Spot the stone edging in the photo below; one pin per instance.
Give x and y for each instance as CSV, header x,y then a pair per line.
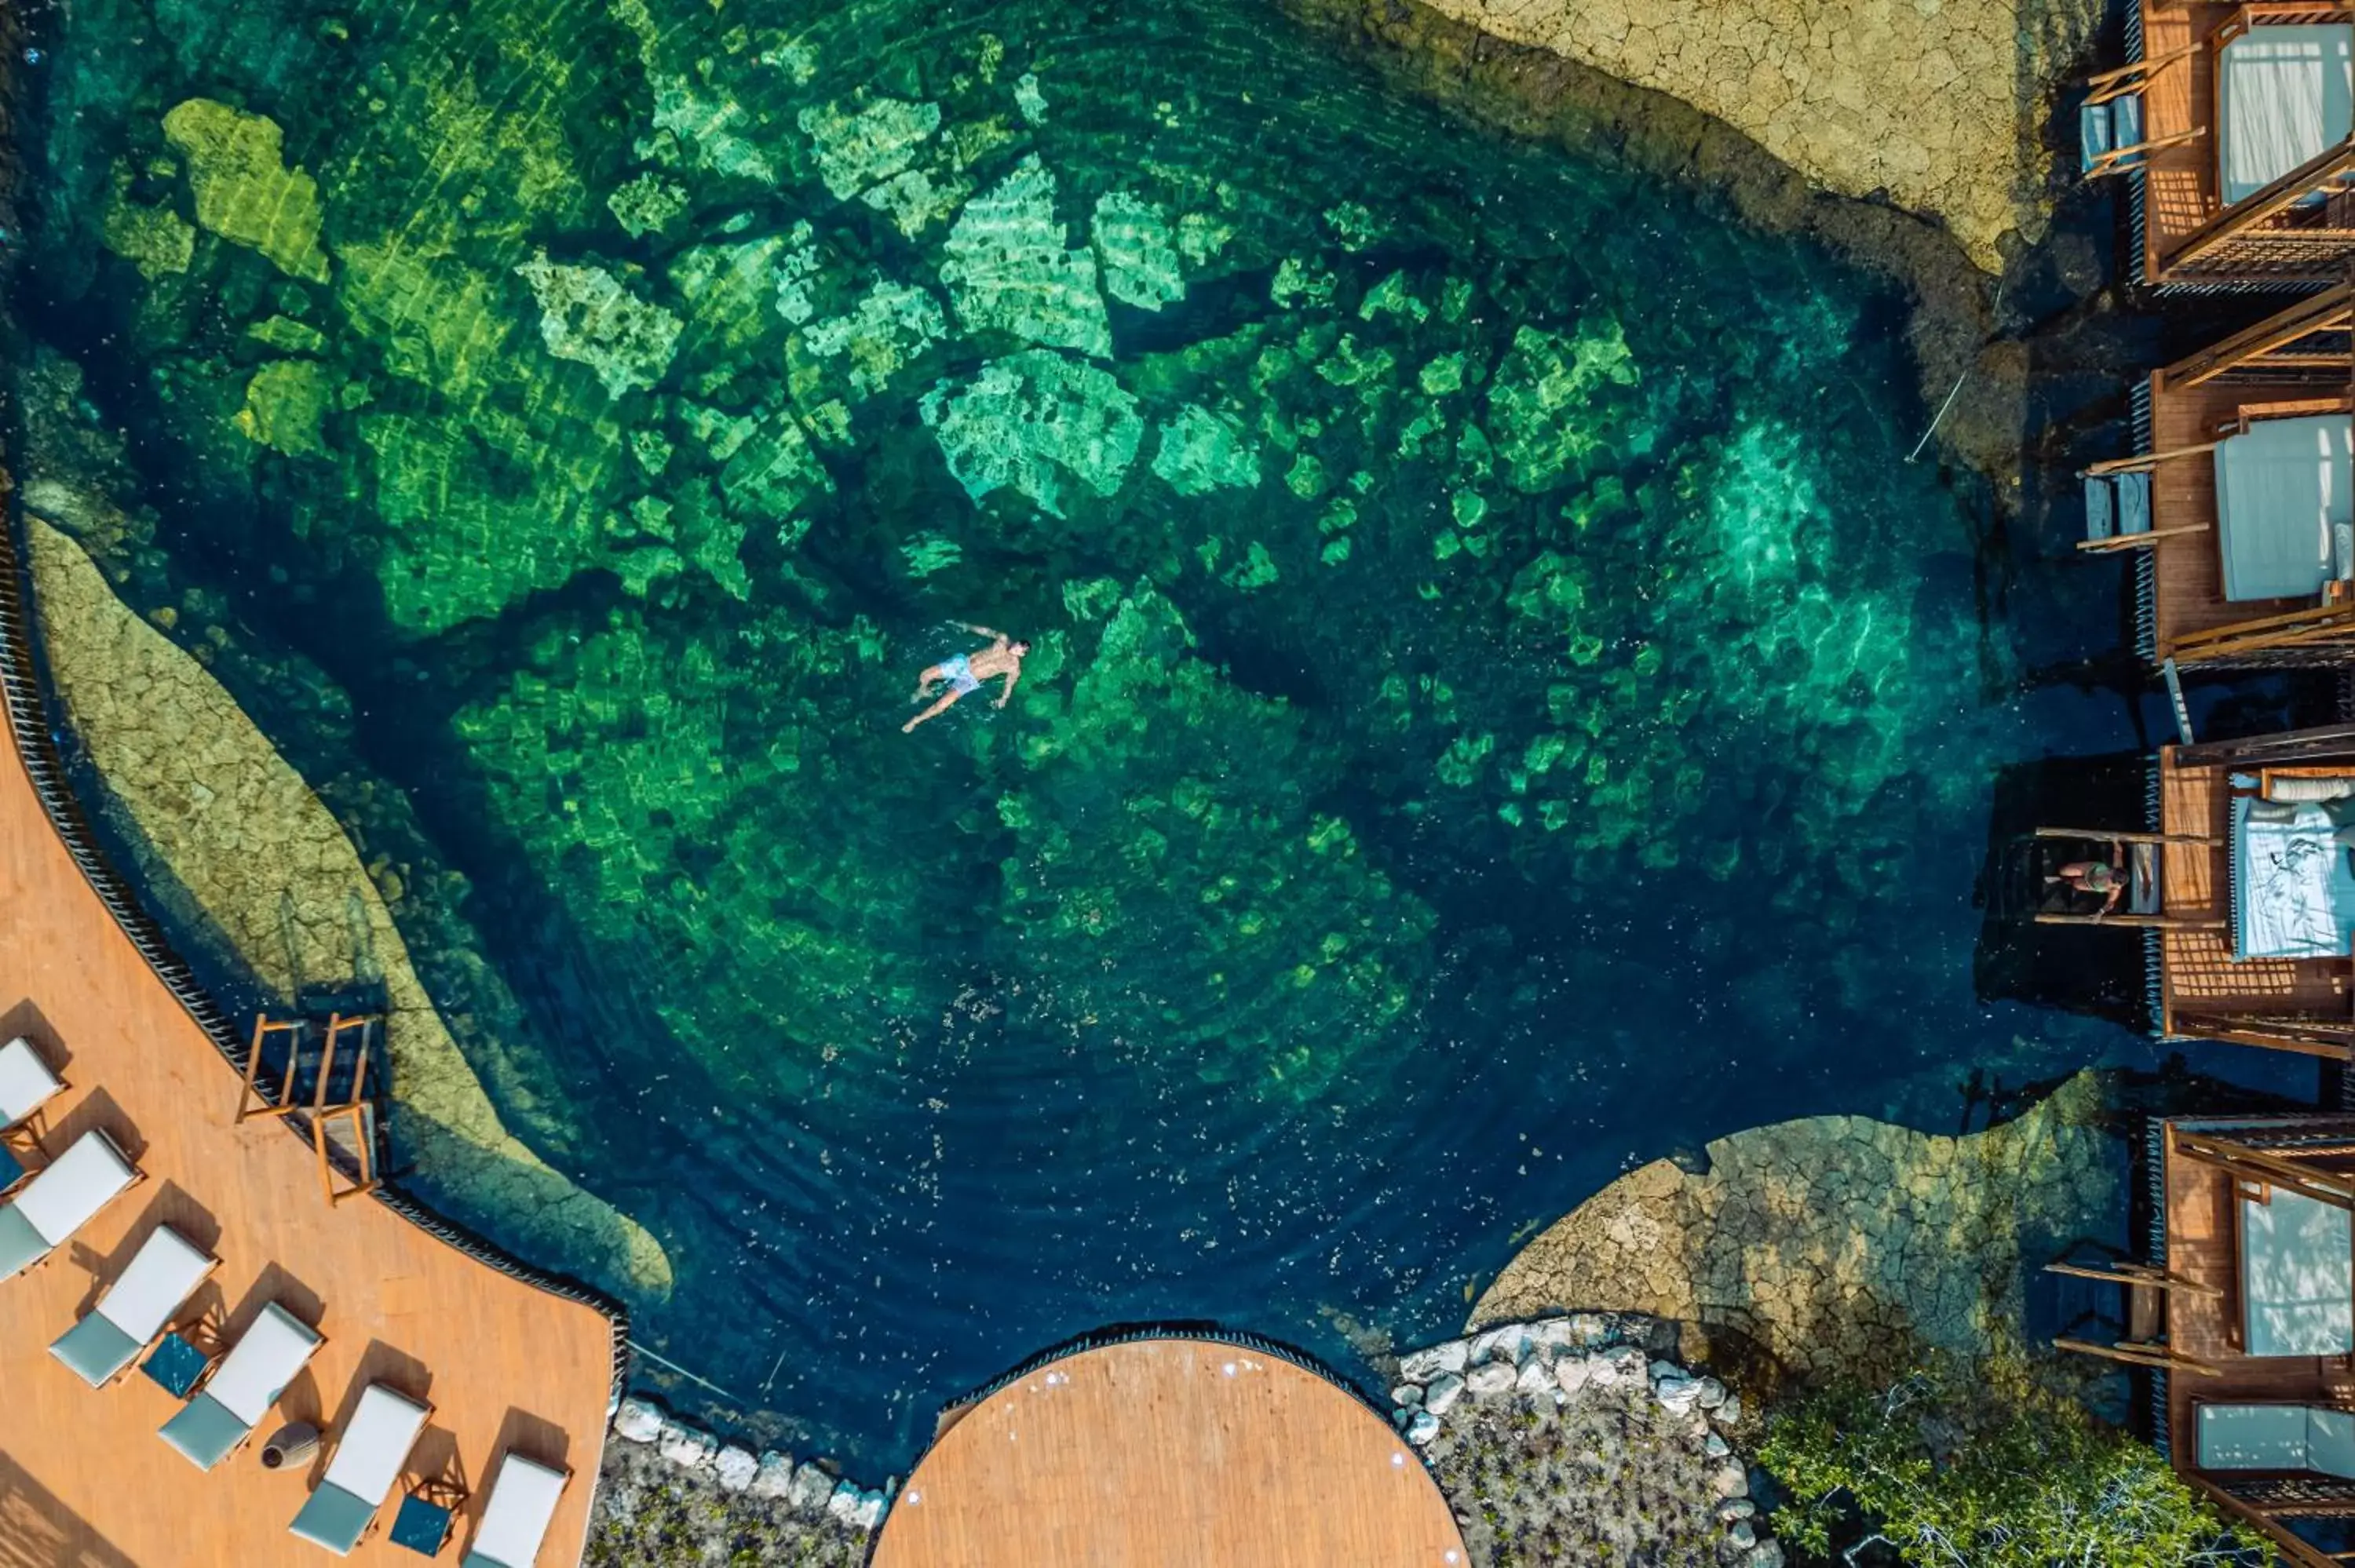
x,y
1549,1360
24,693
810,1488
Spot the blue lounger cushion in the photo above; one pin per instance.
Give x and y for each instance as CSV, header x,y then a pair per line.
x,y
96,1349
206,1432
2134,503
334,1519
21,1245
2101,520
2103,128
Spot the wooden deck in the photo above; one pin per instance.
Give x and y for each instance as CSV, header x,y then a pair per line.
x,y
2180,182
2202,1246
1170,1454
2180,189
2201,972
2190,566
85,1480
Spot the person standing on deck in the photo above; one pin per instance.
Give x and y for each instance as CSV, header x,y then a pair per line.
x,y
966,672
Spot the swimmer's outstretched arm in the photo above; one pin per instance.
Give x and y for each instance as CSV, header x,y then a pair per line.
x,y
982,631
1006,691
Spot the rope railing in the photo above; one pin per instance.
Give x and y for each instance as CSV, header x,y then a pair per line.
x,y
23,688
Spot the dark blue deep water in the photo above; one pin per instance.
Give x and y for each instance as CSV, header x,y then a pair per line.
x,y
1504,708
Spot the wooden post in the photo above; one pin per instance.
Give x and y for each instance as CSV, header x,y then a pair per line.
x,y
250,1098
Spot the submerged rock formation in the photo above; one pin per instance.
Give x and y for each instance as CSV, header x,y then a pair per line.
x,y
225,818
1836,1243
1928,102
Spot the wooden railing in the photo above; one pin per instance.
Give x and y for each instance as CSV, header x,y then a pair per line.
x,y
2246,236
2333,310
2320,634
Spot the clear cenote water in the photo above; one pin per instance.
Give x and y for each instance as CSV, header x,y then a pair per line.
x,y
1502,708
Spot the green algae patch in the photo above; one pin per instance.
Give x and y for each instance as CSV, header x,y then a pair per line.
x,y
244,191
285,404
1132,241
156,239
889,329
1199,452
861,148
280,882
434,317
587,316
477,515
1292,950
647,204
1008,269
1033,419
1548,400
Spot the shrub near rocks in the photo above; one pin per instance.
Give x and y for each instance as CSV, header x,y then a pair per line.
x,y
1564,1441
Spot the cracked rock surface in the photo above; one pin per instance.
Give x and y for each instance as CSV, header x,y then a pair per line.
x,y
1837,1244
1932,102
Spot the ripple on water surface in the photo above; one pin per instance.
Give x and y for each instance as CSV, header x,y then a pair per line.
x,y
1501,707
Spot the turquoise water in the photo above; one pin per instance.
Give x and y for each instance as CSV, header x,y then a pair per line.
x,y
1503,708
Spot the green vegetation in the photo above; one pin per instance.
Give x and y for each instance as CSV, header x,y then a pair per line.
x,y
1944,1473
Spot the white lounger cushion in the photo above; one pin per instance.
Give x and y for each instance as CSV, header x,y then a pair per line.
x,y
376,1443
2282,96
68,1192
2297,1277
252,1377
2278,1437
26,1081
514,1521
2280,487
150,1289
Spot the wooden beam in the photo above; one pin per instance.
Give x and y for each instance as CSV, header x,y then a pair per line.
x,y
2138,1353
2107,835
2292,1549
2141,1276
2148,460
2330,310
2320,741
2334,1188
2271,201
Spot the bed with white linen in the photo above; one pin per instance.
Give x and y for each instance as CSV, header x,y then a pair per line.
x,y
2283,94
2298,1276
2293,886
2282,487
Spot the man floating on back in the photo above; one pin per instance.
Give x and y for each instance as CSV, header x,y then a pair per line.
x,y
966,672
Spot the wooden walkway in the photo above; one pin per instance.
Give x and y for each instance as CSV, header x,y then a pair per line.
x,y
85,1480
1170,1454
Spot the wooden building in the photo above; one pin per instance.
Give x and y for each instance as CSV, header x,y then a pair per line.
x,y
2233,123
2246,1315
2242,888
2240,507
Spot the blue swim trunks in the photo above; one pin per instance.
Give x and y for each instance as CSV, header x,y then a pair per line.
x,y
959,671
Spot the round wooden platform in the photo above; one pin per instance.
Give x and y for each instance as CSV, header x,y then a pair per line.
x,y
1170,1454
